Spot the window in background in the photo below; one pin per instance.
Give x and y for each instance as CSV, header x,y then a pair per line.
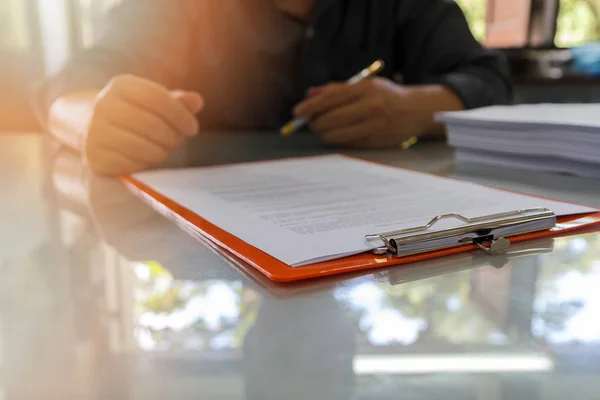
x,y
14,27
508,24
89,18
20,63
55,33
578,22
475,11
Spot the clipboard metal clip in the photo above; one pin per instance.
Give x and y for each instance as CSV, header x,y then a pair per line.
x,y
487,232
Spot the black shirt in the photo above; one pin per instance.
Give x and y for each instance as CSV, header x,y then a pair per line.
x,y
252,64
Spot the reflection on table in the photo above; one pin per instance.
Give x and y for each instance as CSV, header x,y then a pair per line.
x,y
119,303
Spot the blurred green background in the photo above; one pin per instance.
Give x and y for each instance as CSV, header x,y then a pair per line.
x,y
577,20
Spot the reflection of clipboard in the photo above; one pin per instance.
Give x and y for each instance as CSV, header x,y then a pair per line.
x,y
464,262
394,276
491,233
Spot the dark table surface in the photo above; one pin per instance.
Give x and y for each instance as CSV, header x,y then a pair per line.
x,y
102,298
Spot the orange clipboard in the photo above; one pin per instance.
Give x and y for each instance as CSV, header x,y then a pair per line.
x,y
277,271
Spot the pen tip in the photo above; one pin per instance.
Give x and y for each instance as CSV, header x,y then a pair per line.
x,y
376,66
287,129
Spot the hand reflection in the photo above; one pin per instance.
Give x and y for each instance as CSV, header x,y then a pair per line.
x,y
141,234
117,212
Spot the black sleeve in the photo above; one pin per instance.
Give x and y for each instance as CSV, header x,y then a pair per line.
x,y
148,38
435,46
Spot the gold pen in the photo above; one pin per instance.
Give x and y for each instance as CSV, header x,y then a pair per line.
x,y
297,123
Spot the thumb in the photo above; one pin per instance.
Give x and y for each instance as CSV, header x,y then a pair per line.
x,y
191,100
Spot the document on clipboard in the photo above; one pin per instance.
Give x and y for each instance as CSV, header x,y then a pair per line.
x,y
305,217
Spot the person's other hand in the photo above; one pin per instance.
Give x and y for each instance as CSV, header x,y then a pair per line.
x,y
374,113
135,123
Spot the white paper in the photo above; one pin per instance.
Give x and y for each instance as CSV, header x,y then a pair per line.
x,y
314,209
572,115
543,137
531,163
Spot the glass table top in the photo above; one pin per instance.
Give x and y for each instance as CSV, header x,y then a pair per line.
x,y
103,298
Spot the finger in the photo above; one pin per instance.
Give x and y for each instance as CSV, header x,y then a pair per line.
x,y
333,95
158,100
350,114
314,91
350,135
134,119
133,146
108,162
191,100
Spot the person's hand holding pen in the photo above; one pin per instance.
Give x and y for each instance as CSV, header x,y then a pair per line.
x,y
374,112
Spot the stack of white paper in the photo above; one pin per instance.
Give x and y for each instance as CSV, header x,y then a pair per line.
x,y
563,138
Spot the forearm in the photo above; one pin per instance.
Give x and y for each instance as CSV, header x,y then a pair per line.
x,y
69,117
436,47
